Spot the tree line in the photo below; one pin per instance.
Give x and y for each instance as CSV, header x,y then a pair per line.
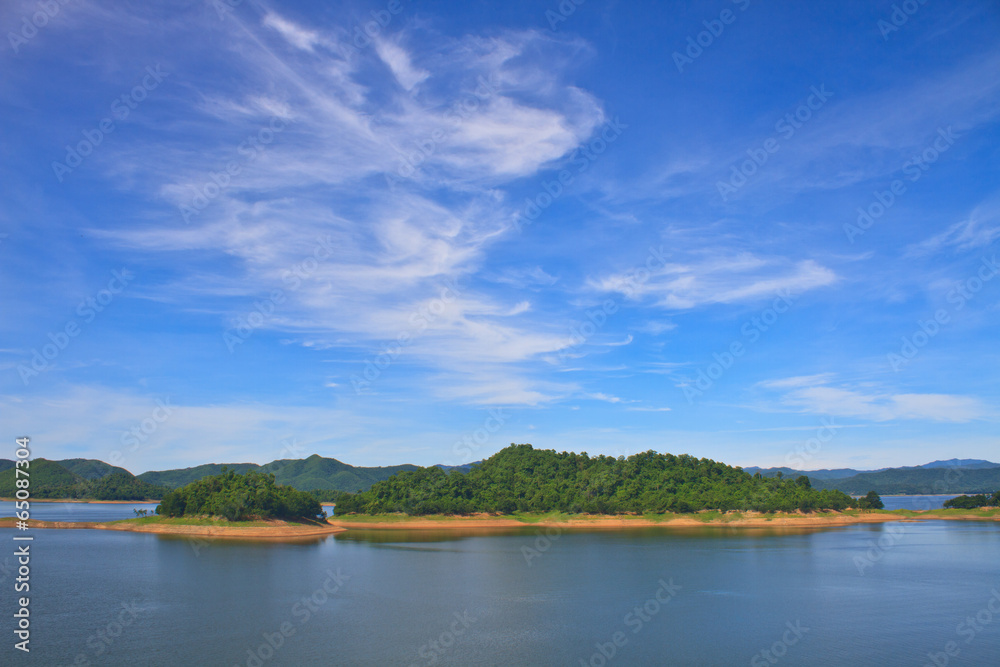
x,y
973,502
522,478
239,498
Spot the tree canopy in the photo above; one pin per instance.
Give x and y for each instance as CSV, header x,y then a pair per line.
x,y
522,478
239,498
972,502
871,501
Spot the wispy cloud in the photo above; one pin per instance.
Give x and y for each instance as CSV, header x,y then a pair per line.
x,y
980,229
738,278
880,407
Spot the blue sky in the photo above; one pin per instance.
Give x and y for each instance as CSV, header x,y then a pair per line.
x,y
415,232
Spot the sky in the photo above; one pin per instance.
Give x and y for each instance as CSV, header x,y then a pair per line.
x,y
408,231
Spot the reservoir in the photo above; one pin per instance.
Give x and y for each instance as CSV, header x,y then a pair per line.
x,y
878,594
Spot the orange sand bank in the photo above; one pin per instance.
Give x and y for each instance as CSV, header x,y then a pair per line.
x,y
275,529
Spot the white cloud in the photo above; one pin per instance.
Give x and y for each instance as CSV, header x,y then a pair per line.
x,y
980,229
398,60
398,241
880,407
741,278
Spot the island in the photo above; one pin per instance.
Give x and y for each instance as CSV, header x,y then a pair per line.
x,y
524,487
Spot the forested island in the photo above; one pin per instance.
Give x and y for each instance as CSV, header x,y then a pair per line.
x,y
235,497
521,478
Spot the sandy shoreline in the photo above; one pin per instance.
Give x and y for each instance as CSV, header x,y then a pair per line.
x,y
604,522
85,500
278,530
612,522
281,530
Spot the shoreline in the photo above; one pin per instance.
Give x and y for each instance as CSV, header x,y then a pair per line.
x,y
275,530
281,530
83,500
749,521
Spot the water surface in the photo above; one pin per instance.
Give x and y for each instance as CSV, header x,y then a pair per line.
x,y
881,594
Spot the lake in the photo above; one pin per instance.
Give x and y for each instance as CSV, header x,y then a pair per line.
x,y
882,594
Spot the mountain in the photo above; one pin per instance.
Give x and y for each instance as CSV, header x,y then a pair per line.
x,y
465,467
916,481
51,479
835,473
961,463
90,468
317,472
43,474
173,479
6,463
313,473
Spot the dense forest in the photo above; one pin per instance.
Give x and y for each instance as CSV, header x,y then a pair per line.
x,y
324,475
236,497
48,479
972,502
521,478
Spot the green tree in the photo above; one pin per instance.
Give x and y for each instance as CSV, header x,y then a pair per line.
x,y
871,501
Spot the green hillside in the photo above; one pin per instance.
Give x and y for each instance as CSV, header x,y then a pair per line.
x,y
90,468
174,479
47,479
315,473
51,480
917,481
521,478
6,463
318,473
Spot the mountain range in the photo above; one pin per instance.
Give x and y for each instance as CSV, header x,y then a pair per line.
x,y
328,475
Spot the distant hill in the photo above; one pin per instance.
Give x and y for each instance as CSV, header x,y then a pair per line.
x,y
834,473
50,479
90,468
929,478
310,474
961,463
6,463
916,481
319,473
173,479
44,475
465,467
